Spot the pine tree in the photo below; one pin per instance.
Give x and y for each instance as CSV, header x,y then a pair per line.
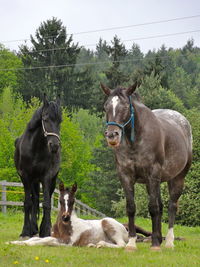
x,y
116,53
51,51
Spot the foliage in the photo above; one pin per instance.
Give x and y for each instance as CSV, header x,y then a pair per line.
x,y
8,63
155,96
76,156
56,50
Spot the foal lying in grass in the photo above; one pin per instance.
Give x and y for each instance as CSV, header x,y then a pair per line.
x,y
73,231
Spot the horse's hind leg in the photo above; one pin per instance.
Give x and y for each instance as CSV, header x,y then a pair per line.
x,y
35,208
175,187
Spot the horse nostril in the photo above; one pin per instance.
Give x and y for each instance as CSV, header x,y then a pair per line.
x,y
106,133
116,133
53,146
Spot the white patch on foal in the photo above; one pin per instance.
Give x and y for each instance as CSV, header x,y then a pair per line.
x,y
66,197
170,238
114,101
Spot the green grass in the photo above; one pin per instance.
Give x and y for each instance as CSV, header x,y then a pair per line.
x,y
185,253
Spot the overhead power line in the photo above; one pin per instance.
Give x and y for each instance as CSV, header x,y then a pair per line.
x,y
84,64
114,28
129,40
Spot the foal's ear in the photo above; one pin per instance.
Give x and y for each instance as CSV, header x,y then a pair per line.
x,y
74,187
45,100
106,89
61,187
131,89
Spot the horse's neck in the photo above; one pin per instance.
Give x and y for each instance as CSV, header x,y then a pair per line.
x,y
35,121
142,115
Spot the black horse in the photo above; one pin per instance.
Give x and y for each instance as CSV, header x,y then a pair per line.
x,y
150,147
37,159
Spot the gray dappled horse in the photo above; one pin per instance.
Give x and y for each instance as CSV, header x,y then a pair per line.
x,y
37,159
150,147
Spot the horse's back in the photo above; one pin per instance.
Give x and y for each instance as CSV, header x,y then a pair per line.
x,y
179,124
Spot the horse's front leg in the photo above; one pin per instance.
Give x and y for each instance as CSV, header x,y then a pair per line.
x,y
48,188
26,231
45,226
128,186
155,210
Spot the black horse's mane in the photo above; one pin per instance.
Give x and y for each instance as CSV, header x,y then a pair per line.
x,y
54,112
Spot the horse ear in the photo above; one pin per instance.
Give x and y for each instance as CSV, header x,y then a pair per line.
x,y
106,90
45,100
61,187
131,89
74,187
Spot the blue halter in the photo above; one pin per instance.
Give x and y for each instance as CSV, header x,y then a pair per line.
x,y
122,126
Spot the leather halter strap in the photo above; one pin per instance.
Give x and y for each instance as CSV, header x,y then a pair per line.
x,y
49,133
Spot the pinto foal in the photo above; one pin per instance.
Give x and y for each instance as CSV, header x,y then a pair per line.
x,y
73,231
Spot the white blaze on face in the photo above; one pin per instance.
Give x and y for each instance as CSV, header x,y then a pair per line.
x,y
114,102
66,197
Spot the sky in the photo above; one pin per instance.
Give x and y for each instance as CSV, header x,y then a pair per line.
x,y
20,18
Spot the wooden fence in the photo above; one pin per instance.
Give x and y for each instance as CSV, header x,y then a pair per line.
x,y
80,207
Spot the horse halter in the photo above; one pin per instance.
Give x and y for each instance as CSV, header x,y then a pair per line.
x,y
131,119
49,133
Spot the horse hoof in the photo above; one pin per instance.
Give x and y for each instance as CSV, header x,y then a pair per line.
x,y
169,246
130,248
155,248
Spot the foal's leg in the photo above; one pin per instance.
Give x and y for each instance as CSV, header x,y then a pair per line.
x,y
175,187
115,232
102,244
155,210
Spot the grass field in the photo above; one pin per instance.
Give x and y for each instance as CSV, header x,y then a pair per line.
x,y
185,253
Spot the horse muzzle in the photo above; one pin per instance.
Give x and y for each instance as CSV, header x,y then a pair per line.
x,y
113,137
53,146
65,217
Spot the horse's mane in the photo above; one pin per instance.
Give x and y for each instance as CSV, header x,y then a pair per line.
x,y
54,113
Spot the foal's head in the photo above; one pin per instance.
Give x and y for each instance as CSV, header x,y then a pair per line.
x,y
117,108
51,119
67,199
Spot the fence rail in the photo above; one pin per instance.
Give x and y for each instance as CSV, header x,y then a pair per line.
x,y
80,207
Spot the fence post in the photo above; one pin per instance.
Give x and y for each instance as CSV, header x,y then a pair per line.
x,y
3,197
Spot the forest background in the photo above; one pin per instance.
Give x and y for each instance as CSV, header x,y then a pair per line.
x,y
55,65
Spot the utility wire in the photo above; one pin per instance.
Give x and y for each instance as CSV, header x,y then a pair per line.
x,y
86,63
114,28
129,40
